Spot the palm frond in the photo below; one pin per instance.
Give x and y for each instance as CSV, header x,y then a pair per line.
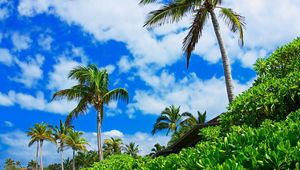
x,y
116,94
81,74
81,108
195,32
74,93
234,21
172,12
144,2
159,126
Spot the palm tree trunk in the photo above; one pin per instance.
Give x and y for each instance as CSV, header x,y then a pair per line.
x,y
99,126
225,59
41,155
62,158
37,155
73,159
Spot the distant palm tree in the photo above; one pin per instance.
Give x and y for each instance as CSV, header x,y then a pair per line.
x,y
192,120
18,164
39,133
76,142
131,149
32,165
112,146
9,164
174,11
60,136
156,149
169,120
86,159
91,90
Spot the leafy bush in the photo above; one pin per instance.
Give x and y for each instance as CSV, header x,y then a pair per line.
x,y
274,145
274,94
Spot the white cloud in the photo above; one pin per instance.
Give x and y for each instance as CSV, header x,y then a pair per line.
x,y
5,56
31,71
124,64
4,9
21,42
8,124
5,100
45,42
109,68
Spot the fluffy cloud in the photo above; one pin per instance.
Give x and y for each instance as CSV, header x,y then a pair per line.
x,y
8,124
5,100
21,42
45,42
5,56
31,71
191,93
4,9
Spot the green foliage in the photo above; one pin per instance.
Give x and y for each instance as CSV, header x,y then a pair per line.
x,y
274,145
274,94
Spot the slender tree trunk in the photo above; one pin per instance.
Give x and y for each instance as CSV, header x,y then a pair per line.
x,y
62,158
99,126
41,155
225,59
36,156
73,159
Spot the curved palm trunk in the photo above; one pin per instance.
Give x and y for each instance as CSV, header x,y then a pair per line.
x,y
225,59
99,126
41,155
73,159
62,158
36,156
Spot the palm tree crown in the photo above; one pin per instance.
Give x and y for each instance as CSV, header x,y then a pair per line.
x,y
112,146
131,149
201,10
192,120
92,89
169,119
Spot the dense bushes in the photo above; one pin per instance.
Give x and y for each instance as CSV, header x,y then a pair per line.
x,y
274,145
274,94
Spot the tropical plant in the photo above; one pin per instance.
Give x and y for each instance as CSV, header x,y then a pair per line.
x,y
112,146
54,166
157,147
175,10
39,133
76,142
86,159
192,120
169,120
131,149
9,164
32,165
68,164
60,134
18,164
92,89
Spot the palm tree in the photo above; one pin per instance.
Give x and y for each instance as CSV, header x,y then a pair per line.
x,y
32,165
112,146
169,119
39,133
175,10
192,120
91,90
86,159
156,149
9,164
18,164
131,149
60,136
76,142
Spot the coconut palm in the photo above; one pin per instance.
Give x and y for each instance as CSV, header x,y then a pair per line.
x,y
9,164
60,136
112,146
131,149
86,159
201,10
192,120
92,89
156,149
32,165
76,142
18,164
39,133
169,120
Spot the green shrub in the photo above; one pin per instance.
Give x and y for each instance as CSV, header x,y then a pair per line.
x,y
274,145
274,94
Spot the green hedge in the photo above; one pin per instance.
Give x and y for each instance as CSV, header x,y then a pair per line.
x,y
274,94
274,145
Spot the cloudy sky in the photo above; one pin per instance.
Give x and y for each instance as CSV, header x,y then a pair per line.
x,y
41,40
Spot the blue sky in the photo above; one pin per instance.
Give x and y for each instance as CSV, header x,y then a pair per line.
x,y
41,40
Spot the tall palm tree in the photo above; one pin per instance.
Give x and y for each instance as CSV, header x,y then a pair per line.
x,y
131,149
76,142
32,165
192,120
39,133
92,89
201,10
60,136
112,146
169,120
